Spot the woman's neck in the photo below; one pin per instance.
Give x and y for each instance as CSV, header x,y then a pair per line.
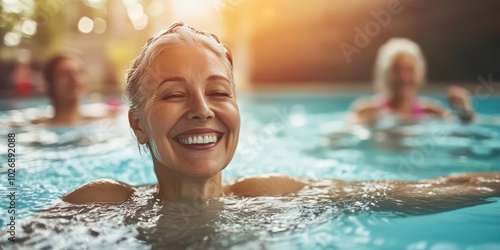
x,y
66,114
401,104
174,185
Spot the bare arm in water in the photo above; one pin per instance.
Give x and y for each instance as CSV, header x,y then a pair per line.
x,y
365,111
423,196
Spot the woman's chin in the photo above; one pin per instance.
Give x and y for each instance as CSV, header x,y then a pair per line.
x,y
72,98
406,94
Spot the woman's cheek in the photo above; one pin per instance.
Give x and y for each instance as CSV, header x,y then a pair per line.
x,y
157,119
230,114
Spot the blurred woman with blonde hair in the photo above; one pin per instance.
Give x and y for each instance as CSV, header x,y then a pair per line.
x,y
399,74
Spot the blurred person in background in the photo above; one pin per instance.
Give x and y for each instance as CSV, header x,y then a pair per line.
x,y
399,74
66,78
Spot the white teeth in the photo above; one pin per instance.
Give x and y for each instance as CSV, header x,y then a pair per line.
x,y
200,139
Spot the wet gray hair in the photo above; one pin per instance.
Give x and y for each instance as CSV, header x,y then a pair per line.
x,y
141,72
385,57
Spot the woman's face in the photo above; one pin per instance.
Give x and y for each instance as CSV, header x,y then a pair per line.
x,y
69,80
191,119
403,76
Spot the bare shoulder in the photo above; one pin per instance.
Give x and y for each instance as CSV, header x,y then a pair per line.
x,y
100,191
366,104
363,110
267,185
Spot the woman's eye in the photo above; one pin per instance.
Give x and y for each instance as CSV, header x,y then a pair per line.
x,y
175,96
220,93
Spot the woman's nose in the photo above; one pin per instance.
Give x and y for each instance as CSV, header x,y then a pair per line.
x,y
199,109
74,77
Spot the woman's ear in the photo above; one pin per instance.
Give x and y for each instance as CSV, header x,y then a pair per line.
x,y
139,131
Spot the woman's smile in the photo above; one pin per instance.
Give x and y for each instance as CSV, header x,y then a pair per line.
x,y
199,139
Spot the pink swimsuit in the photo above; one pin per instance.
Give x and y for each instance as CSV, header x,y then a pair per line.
x,y
416,109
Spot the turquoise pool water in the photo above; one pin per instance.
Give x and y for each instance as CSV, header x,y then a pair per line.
x,y
299,135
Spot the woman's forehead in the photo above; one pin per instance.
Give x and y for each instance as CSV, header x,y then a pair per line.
x,y
68,63
404,57
186,59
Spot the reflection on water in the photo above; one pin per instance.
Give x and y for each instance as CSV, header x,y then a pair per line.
x,y
394,134
41,135
427,145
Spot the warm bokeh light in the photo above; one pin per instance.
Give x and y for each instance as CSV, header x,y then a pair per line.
x,y
135,11
127,2
29,27
12,39
99,25
95,3
16,22
141,23
18,7
197,13
85,25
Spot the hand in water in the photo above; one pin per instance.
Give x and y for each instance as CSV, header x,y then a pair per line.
x,y
459,100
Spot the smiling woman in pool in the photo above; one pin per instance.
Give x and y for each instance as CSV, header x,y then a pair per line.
x,y
183,108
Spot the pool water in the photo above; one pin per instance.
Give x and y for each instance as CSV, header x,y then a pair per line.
x,y
298,135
